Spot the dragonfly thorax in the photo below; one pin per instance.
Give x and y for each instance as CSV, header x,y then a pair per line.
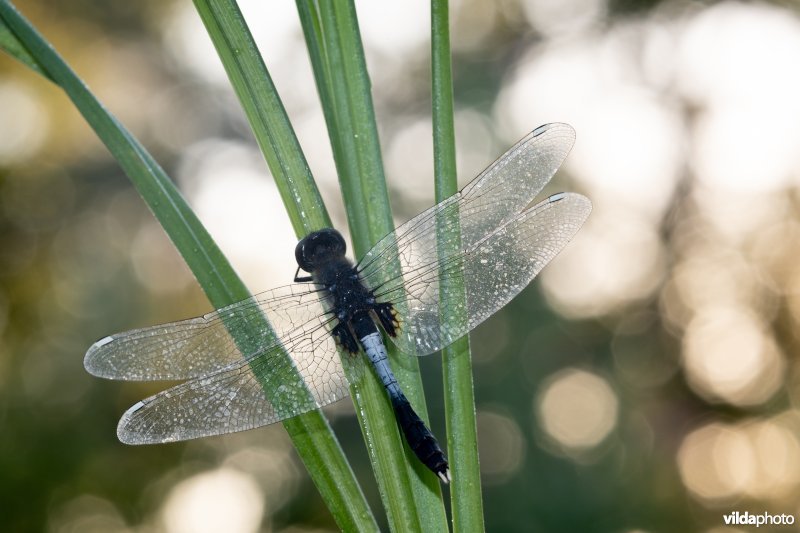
x,y
347,291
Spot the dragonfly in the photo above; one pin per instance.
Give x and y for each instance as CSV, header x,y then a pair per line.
x,y
284,352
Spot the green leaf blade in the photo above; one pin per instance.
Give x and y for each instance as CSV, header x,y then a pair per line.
x,y
331,30
462,440
253,85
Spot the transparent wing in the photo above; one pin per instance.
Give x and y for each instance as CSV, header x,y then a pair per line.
x,y
227,381
233,398
225,391
462,242
489,201
492,272
200,346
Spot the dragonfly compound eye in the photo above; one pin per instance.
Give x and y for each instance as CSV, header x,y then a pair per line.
x,y
318,247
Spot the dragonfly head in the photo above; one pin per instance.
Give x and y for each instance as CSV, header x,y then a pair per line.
x,y
319,247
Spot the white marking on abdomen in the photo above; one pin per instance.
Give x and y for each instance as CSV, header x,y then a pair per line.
x,y
376,351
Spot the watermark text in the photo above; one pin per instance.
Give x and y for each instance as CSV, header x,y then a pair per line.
x,y
764,519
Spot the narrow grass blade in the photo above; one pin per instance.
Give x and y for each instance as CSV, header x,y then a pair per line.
x,y
331,30
374,412
265,112
253,85
12,46
341,145
462,441
314,439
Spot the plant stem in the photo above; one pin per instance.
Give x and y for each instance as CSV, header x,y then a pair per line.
x,y
262,105
411,493
462,441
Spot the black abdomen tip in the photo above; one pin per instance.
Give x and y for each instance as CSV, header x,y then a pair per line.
x,y
420,439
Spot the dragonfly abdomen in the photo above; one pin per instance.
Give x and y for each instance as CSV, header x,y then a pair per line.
x,y
376,352
419,438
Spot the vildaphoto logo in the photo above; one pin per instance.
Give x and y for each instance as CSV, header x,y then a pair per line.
x,y
764,519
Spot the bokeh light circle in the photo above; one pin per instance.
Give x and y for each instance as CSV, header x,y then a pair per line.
x,y
577,409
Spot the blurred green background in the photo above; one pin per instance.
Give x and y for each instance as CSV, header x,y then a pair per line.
x,y
647,380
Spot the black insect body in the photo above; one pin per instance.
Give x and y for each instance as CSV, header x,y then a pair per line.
x,y
487,241
322,254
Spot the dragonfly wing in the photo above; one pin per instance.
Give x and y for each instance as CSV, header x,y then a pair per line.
x,y
493,198
233,398
492,271
511,183
203,345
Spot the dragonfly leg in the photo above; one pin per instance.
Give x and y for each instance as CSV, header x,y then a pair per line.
x,y
344,338
387,315
301,279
